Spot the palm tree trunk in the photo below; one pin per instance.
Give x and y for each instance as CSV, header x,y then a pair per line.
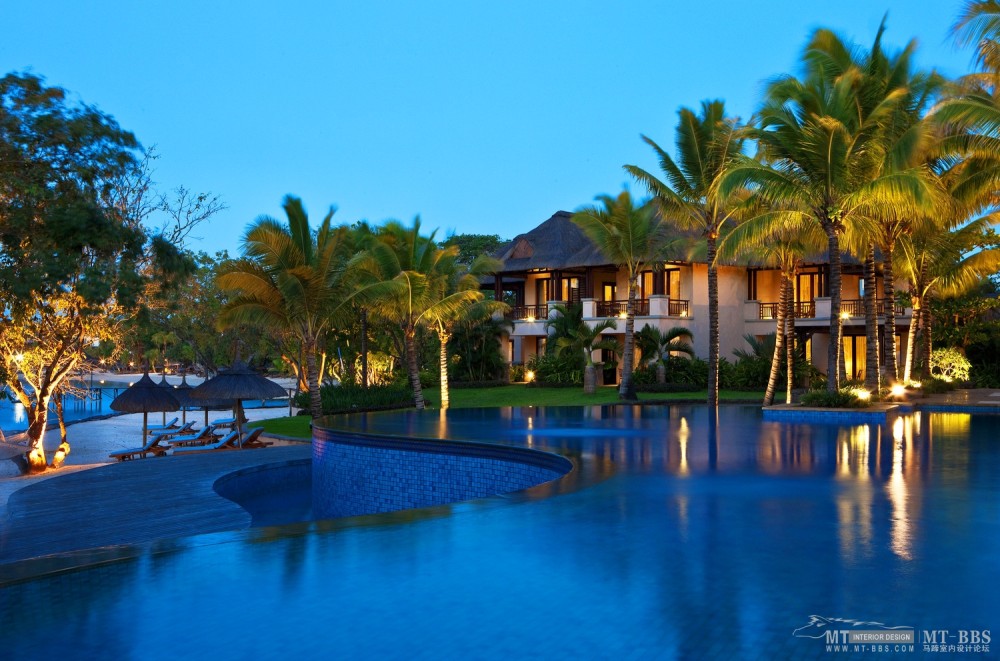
x,y
589,379
312,378
713,323
443,337
779,342
925,328
911,338
661,371
409,335
364,348
889,297
627,391
871,324
834,351
790,338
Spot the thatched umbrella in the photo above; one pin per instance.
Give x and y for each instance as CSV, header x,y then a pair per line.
x,y
239,382
145,396
183,394
166,386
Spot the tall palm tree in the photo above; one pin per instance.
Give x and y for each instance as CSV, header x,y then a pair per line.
x,y
289,279
632,237
781,239
657,345
689,197
404,277
978,25
459,299
585,340
825,142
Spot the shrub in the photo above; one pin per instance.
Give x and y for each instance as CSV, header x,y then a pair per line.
x,y
347,397
948,364
644,375
841,399
934,386
557,370
517,371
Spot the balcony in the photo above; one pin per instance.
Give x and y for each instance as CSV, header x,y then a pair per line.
x,y
619,308
849,308
527,313
803,310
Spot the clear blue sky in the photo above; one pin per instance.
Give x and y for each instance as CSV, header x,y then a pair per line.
x,y
481,117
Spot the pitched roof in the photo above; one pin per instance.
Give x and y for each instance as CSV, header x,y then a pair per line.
x,y
557,243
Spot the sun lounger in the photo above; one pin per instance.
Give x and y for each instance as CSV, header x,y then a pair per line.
x,y
252,439
153,448
166,434
155,428
224,422
206,435
229,442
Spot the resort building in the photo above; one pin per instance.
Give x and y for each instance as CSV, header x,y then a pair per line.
x,y
556,263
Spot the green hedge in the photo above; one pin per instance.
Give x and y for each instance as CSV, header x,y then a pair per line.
x,y
346,398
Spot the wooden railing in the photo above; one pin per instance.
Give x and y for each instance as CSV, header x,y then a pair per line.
x,y
527,313
803,310
856,308
678,308
619,308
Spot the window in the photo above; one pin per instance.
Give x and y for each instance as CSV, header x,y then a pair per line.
x,y
608,290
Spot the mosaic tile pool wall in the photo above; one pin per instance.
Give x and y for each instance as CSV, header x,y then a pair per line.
x,y
355,475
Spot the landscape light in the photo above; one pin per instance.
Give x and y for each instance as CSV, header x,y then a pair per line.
x,y
862,394
529,376
898,390
845,315
530,319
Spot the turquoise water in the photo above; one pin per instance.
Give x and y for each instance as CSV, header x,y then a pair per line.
x,y
681,534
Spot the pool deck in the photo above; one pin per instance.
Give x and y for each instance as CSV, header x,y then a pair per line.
x,y
131,503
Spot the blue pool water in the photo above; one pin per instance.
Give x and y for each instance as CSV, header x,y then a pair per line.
x,y
681,533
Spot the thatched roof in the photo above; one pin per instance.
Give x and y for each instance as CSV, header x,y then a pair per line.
x,y
145,396
238,382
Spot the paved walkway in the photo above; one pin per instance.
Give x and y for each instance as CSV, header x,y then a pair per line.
x,y
134,503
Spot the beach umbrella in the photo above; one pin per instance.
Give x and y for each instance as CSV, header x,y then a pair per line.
x,y
163,384
183,394
143,397
238,383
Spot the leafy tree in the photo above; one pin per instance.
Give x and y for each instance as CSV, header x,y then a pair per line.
x,y
690,198
632,237
289,280
471,246
73,267
476,344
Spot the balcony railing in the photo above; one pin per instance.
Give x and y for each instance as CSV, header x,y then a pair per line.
x,y
619,308
803,310
856,308
527,313
678,308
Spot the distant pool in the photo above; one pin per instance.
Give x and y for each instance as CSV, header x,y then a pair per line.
x,y
14,419
681,533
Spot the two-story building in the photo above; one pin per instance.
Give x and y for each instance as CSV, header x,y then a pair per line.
x,y
556,263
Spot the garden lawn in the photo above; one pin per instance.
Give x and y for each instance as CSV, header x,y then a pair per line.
x,y
520,395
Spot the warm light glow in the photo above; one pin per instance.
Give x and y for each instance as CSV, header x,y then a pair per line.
x,y
530,318
131,364
684,313
529,376
18,358
683,436
861,394
622,315
845,315
897,390
130,384
915,384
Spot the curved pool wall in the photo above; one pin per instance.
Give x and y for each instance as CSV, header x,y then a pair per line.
x,y
356,474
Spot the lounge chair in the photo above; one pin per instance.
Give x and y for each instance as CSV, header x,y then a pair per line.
x,y
152,447
166,434
252,439
206,435
228,442
155,428
224,422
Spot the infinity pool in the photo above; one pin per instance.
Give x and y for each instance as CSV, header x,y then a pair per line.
x,y
681,533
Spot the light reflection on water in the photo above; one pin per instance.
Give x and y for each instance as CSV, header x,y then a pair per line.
x,y
683,534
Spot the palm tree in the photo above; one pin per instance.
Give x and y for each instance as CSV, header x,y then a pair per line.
x,y
825,143
689,197
289,279
586,339
632,237
460,299
408,280
779,239
979,26
657,345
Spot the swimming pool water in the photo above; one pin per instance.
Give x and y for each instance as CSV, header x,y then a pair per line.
x,y
682,533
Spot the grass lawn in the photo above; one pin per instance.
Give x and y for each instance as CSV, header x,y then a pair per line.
x,y
521,395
